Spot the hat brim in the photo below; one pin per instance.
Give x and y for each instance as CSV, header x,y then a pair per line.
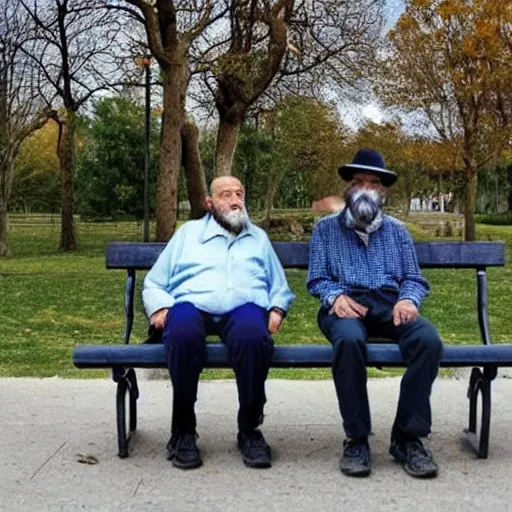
x,y
347,171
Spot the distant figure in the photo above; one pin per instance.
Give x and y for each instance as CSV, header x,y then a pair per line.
x,y
363,268
218,275
328,204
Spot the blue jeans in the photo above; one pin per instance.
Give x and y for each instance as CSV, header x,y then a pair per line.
x,y
421,348
250,347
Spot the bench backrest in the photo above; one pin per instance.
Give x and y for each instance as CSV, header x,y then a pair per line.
x,y
478,255
133,256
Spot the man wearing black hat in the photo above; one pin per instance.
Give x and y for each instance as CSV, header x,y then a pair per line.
x,y
363,267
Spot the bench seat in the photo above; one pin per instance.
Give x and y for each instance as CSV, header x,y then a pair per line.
x,y
285,356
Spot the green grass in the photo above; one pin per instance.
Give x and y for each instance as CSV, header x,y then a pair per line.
x,y
50,301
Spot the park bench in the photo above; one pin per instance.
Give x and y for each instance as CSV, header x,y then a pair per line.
x,y
485,358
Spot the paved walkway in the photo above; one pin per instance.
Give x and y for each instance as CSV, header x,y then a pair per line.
x,y
48,426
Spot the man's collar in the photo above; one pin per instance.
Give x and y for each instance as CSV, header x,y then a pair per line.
x,y
213,229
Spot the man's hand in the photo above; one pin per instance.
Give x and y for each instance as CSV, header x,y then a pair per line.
x,y
345,307
274,321
404,312
159,318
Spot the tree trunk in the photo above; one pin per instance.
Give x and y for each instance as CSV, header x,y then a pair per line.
x,y
175,87
470,204
6,173
227,138
509,196
6,164
273,182
4,233
66,155
249,175
194,172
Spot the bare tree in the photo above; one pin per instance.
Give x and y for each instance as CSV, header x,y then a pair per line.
x,y
257,46
276,48
332,50
19,112
194,172
73,45
172,28
240,49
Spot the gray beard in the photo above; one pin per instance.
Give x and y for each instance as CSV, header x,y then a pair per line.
x,y
233,220
364,205
364,210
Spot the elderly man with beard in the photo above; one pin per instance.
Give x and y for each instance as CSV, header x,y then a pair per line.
x,y
363,267
218,275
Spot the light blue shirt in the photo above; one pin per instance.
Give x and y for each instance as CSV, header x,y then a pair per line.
x,y
216,271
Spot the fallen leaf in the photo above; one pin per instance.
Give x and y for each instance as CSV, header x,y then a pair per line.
x,y
86,459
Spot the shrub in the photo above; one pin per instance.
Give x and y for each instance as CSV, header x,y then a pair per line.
x,y
448,229
495,219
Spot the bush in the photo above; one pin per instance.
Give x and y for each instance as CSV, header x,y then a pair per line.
x,y
495,219
448,229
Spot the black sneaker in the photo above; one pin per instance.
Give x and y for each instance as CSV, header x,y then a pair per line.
x,y
356,457
183,450
255,450
415,457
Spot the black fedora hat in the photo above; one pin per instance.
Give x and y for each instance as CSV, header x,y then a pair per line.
x,y
368,160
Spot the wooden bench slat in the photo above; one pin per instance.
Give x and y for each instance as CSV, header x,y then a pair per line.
x,y
139,256
136,255
285,356
460,254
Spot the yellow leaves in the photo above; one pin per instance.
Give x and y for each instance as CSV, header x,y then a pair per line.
x,y
483,41
405,23
471,47
452,8
494,9
421,4
464,41
489,37
39,150
241,66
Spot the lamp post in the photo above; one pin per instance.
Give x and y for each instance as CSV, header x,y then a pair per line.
x,y
146,62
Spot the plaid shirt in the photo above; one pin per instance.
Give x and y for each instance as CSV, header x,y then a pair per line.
x,y
339,261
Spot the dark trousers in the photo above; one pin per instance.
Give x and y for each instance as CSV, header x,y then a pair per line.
x,y
421,348
245,333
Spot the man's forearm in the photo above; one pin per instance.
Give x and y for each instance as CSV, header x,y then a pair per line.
x,y
414,291
326,290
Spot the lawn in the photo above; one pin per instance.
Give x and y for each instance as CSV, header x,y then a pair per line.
x,y
50,301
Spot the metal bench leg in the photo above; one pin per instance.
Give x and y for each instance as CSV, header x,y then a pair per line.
x,y
480,383
134,395
126,383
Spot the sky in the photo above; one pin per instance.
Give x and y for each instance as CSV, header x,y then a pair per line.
x,y
356,114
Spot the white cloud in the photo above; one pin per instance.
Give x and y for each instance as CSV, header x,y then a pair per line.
x,y
372,112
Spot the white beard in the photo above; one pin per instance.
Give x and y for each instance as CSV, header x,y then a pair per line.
x,y
233,220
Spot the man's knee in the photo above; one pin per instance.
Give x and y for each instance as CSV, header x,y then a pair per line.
x,y
248,332
353,347
349,359
248,324
347,334
433,346
428,339
250,337
342,330
182,313
184,327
